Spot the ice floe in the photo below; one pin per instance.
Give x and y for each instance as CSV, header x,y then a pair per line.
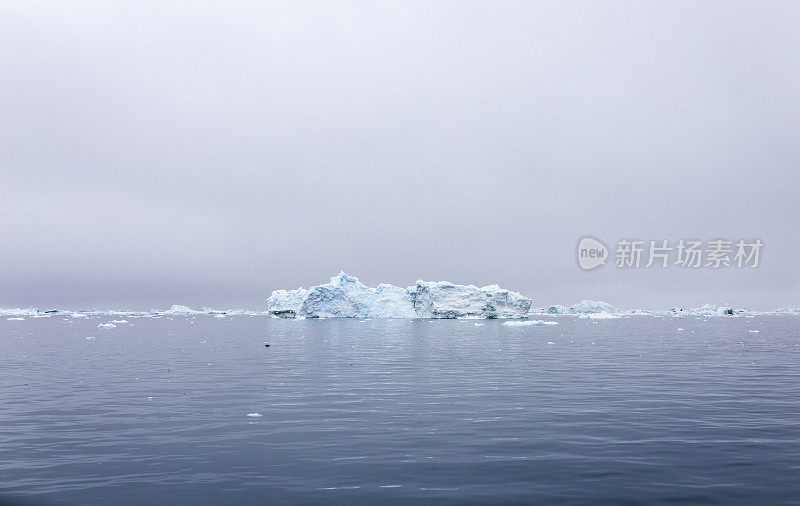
x,y
706,310
18,312
529,323
600,316
603,310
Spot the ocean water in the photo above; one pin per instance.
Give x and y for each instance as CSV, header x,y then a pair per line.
x,y
155,411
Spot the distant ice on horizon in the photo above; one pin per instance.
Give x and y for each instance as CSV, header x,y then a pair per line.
x,y
346,297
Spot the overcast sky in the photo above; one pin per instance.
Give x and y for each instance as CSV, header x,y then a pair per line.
x,y
207,153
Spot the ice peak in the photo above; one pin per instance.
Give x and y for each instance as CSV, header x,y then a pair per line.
x,y
343,278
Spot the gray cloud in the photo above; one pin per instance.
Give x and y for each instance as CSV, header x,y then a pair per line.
x,y
208,153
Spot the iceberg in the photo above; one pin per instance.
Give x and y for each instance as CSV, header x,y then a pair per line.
x,y
286,303
346,297
393,302
592,307
581,308
446,300
708,310
179,310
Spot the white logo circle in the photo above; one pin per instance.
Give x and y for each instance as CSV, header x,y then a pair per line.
x,y
591,253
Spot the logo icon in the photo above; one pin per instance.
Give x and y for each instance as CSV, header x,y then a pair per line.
x,y
591,253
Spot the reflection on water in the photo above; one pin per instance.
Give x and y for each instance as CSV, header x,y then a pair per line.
x,y
157,409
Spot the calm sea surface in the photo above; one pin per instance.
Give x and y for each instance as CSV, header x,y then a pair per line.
x,y
155,411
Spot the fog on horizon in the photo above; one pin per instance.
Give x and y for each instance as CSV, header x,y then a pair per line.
x,y
206,153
